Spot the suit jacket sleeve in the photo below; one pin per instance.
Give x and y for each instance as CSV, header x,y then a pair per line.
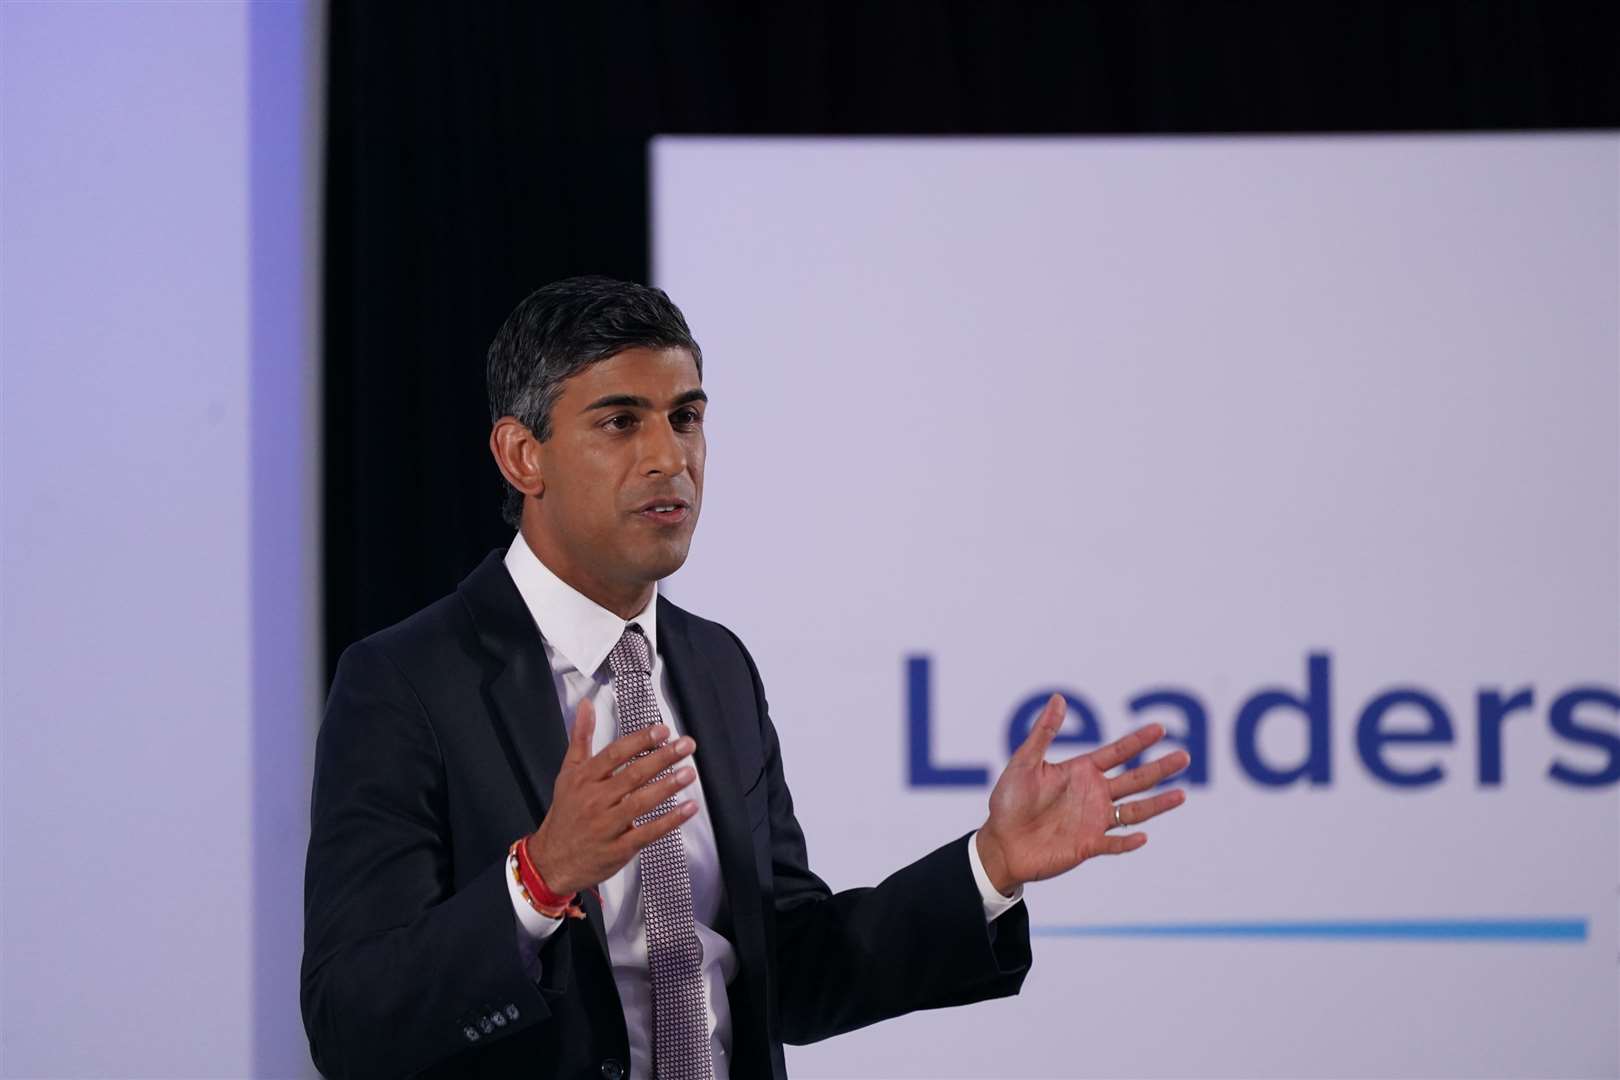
x,y
918,940
400,970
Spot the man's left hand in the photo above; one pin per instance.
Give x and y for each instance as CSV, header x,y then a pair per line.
x,y
1047,818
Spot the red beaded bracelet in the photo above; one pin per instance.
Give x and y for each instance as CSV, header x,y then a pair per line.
x,y
533,886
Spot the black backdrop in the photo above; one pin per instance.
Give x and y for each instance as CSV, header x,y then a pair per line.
x,y
476,151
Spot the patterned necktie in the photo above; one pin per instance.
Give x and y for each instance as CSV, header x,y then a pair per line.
x,y
674,959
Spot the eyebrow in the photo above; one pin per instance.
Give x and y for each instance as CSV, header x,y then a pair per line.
x,y
635,401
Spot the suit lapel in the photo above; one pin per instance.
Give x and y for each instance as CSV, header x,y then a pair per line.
x,y
698,698
527,717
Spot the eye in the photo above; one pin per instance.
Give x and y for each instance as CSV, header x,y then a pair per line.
x,y
688,417
619,422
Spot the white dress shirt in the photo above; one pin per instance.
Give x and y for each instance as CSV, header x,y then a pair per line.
x,y
579,634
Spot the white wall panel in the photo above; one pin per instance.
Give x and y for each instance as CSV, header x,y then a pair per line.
x,y
1122,415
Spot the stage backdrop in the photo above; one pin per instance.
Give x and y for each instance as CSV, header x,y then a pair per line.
x,y
1304,447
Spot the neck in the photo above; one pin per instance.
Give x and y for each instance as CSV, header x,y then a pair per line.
x,y
625,600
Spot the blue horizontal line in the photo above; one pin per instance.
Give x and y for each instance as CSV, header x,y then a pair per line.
x,y
1363,929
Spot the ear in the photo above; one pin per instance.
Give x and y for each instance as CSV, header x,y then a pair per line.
x,y
517,454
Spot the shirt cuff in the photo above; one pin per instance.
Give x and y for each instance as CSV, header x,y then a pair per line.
x,y
532,927
995,904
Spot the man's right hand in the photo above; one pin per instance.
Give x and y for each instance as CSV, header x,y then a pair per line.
x,y
590,832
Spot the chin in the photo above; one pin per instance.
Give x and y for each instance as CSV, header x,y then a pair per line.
x,y
662,563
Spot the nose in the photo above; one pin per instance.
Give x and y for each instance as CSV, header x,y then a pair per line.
x,y
662,453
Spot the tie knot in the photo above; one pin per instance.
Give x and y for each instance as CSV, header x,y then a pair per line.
x,y
631,655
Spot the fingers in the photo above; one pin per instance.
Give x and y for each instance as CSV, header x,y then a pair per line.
x,y
1134,813
644,799
640,836
579,739
1140,779
1043,730
625,747
1119,845
644,768
1122,750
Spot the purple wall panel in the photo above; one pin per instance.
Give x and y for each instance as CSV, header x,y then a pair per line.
x,y
285,102
158,686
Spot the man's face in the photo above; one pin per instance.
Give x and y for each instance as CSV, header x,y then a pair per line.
x,y
626,440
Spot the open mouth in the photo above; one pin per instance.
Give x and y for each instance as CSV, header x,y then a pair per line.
x,y
669,513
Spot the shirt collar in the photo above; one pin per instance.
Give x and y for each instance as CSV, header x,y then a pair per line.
x,y
579,628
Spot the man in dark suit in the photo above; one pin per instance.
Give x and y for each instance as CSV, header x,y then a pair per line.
x,y
550,831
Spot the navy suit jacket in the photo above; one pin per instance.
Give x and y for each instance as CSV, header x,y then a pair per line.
x,y
440,744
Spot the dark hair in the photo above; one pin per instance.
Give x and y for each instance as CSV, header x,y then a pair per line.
x,y
560,330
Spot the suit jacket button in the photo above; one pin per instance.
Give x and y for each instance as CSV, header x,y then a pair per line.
x,y
499,1018
612,1070
471,1033
486,1025
511,1012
